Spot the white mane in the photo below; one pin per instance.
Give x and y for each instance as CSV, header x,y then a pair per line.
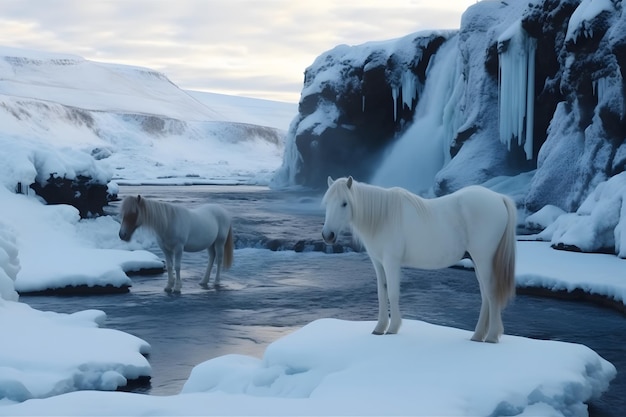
x,y
374,207
155,215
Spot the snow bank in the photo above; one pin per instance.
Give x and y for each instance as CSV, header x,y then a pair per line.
x,y
36,360
598,224
9,264
57,249
334,367
45,353
540,266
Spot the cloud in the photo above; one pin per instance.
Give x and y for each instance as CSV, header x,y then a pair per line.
x,y
243,47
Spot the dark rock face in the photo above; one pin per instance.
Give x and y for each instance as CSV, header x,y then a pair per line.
x,y
585,141
82,192
355,100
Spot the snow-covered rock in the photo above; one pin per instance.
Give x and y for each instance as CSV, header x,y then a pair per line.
x,y
355,99
599,224
543,218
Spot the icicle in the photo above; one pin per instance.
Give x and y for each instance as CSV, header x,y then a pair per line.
x,y
409,89
530,98
394,95
363,104
517,87
600,88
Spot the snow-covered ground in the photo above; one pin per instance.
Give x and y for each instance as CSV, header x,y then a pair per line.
x,y
329,367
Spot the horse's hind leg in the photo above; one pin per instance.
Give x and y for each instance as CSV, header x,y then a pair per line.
x,y
483,318
219,257
489,327
207,275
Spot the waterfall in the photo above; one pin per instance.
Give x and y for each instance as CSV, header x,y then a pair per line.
x,y
422,150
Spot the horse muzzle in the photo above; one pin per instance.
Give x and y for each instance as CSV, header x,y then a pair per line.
x,y
124,235
329,238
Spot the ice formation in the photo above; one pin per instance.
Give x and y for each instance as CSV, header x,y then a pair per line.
x,y
408,92
516,52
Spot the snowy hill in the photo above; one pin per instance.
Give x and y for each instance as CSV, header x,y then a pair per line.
x,y
65,116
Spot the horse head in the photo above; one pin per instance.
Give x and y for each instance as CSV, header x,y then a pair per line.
x,y
338,201
130,210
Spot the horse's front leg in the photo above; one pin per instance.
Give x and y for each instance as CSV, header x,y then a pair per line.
x,y
178,254
383,315
169,264
207,275
392,272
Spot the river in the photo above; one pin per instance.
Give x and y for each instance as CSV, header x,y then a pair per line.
x,y
269,293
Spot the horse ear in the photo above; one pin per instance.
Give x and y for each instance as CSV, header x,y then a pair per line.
x,y
349,183
330,181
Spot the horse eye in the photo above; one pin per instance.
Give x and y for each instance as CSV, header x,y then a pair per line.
x,y
345,203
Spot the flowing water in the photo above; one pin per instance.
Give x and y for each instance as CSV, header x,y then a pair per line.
x,y
270,293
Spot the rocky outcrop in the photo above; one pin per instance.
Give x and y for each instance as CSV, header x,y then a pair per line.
x,y
355,101
88,196
585,144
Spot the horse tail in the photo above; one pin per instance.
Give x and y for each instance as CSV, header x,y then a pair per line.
x,y
229,247
504,259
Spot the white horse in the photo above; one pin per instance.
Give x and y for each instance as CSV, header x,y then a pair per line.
x,y
399,229
180,229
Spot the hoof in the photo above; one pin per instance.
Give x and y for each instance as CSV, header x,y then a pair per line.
x,y
167,290
377,333
204,285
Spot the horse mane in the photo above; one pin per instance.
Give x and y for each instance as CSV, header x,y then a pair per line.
x,y
374,207
153,214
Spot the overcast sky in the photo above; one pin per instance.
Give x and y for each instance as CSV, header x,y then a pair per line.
x,y
254,48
